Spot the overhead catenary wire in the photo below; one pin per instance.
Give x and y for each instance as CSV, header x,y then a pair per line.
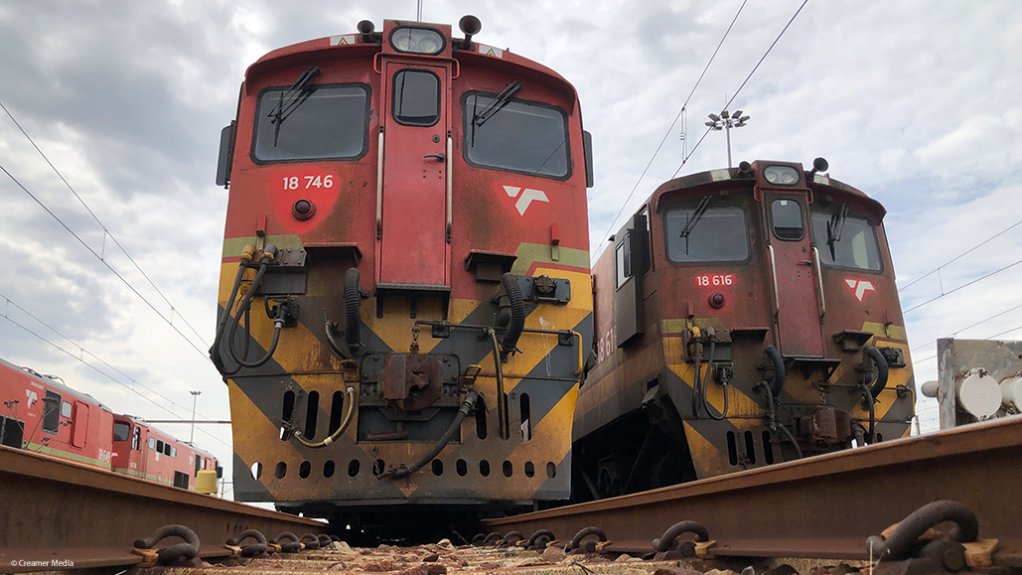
x,y
108,376
982,321
9,302
963,286
681,111
959,256
103,261
742,85
106,230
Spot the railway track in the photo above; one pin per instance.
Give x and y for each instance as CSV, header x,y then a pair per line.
x,y
827,506
60,515
57,515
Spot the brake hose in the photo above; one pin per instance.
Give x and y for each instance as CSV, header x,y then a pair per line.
x,y
466,407
349,395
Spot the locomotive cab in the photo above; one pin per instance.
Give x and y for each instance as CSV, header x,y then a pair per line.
x,y
405,297
743,317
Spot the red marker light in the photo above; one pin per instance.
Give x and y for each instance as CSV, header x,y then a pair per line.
x,y
716,300
303,209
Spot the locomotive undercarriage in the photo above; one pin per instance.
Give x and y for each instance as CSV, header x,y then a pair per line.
x,y
685,429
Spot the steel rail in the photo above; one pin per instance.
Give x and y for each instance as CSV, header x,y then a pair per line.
x,y
824,506
59,515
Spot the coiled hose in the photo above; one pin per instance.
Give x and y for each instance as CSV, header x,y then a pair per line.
x,y
516,302
352,303
466,407
349,403
214,350
882,371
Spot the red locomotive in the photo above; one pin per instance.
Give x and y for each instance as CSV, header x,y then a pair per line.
x,y
405,296
40,413
744,317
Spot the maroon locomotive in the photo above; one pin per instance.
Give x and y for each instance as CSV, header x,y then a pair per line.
x,y
40,413
743,317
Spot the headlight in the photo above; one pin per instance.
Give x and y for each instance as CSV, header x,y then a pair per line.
x,y
781,175
417,40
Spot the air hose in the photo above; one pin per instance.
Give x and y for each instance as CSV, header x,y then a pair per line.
x,y
517,307
779,372
867,397
214,351
710,378
349,395
352,303
772,416
246,302
466,407
882,371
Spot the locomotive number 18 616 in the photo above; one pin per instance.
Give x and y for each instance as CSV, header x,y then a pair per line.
x,y
706,280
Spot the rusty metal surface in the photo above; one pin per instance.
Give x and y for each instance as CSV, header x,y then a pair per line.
x,y
55,510
823,506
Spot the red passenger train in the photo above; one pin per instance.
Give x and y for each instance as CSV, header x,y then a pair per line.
x,y
405,297
744,317
40,413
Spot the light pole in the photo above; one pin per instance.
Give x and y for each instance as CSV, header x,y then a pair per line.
x,y
725,121
195,398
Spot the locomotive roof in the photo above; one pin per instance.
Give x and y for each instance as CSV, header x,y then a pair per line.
x,y
55,384
355,43
734,174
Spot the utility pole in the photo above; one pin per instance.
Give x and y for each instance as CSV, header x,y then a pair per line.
x,y
725,121
195,398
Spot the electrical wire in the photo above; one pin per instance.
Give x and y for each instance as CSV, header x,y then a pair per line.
x,y
106,230
963,286
669,129
84,351
744,82
982,321
959,256
104,262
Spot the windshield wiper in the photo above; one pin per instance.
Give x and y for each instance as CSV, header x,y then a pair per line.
x,y
835,226
694,219
497,104
290,99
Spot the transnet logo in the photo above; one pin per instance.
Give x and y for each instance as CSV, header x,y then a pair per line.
x,y
525,197
860,287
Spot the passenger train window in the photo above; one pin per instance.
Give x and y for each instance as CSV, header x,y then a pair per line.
x,y
786,216
518,136
121,431
850,243
416,98
320,122
713,234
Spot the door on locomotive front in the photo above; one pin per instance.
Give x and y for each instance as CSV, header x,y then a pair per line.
x,y
793,262
416,136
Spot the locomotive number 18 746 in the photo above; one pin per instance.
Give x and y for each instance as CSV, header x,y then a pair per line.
x,y
317,182
706,280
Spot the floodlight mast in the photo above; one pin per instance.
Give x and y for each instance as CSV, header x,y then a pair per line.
x,y
725,121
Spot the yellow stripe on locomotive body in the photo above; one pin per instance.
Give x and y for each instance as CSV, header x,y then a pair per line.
x,y
406,307
744,317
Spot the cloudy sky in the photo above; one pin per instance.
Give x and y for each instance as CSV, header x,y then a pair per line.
x,y
911,101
